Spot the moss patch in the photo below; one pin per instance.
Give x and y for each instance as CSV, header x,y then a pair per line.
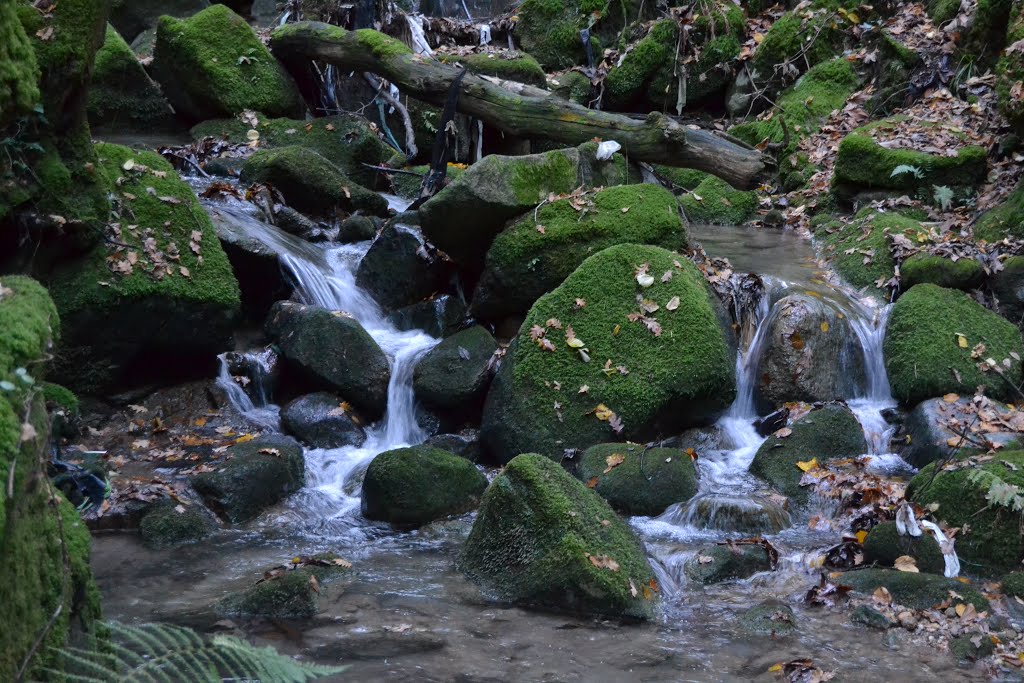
x,y
1005,220
18,71
965,273
868,235
719,203
884,545
785,40
165,526
122,96
509,66
721,563
924,356
916,591
645,482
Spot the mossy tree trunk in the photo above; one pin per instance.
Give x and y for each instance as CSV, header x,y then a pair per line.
x,y
518,109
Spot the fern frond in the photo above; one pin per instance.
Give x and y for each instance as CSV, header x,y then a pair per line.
x,y
161,653
999,493
906,168
943,196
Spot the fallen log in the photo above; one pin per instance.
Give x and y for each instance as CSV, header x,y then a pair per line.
x,y
515,108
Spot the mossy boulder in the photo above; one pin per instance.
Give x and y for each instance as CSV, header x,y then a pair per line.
x,y
571,85
550,29
525,262
401,268
655,373
159,307
680,178
912,589
165,525
770,618
356,228
626,84
464,218
258,474
717,202
928,431
785,43
719,563
827,433
986,32
964,273
44,545
332,351
870,265
415,486
971,647
929,341
292,592
322,420
1004,220
309,182
870,617
439,316
345,140
508,65
19,91
213,65
884,545
990,539
644,482
1008,286
453,377
543,539
123,97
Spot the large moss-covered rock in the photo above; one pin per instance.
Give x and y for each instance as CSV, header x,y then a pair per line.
x,y
309,182
913,590
1003,220
160,306
637,480
990,538
414,486
827,433
258,474
292,592
454,375
213,65
717,202
44,545
721,562
464,217
542,539
929,341
964,273
168,524
884,545
535,254
401,268
123,97
345,140
550,29
322,420
785,42
439,316
653,372
868,235
986,29
332,351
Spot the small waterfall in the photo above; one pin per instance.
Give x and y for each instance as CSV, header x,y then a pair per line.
x,y
255,406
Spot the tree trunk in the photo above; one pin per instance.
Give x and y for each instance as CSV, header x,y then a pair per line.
x,y
518,109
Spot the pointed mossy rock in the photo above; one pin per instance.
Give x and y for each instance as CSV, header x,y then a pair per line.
x,y
544,540
912,589
157,320
826,433
455,374
417,485
925,357
122,96
682,377
400,268
524,263
719,203
345,140
213,65
884,545
992,542
965,273
309,182
645,482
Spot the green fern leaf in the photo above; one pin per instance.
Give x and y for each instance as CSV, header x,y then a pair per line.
x,y
906,168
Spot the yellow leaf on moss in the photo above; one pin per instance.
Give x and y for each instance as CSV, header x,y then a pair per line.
x,y
807,466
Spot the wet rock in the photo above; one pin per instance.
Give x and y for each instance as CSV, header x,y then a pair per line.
x,y
636,480
992,542
171,524
357,228
379,643
827,433
926,431
329,349
523,263
719,563
294,223
719,204
651,384
884,545
1008,286
401,268
964,273
286,593
772,422
971,647
749,514
770,618
453,376
309,182
527,547
908,589
870,617
258,474
208,78
700,439
413,486
465,444
440,316
811,354
322,420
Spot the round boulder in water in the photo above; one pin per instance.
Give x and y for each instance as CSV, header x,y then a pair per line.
x,y
543,539
169,524
810,353
357,228
454,375
770,618
401,268
415,486
884,545
928,431
723,562
825,434
636,480
322,420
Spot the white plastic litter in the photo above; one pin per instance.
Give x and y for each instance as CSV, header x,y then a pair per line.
x,y
606,149
906,522
485,34
419,39
948,553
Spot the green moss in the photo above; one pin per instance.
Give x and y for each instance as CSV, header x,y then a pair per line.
x,y
164,526
61,397
1004,220
573,86
680,378
964,273
414,486
524,263
408,186
681,178
514,66
884,545
529,182
627,81
382,46
869,236
828,433
549,30
1013,584
721,563
913,590
122,96
647,480
455,374
719,203
785,40
287,593
18,70
771,618
534,537
923,354
210,78
989,541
